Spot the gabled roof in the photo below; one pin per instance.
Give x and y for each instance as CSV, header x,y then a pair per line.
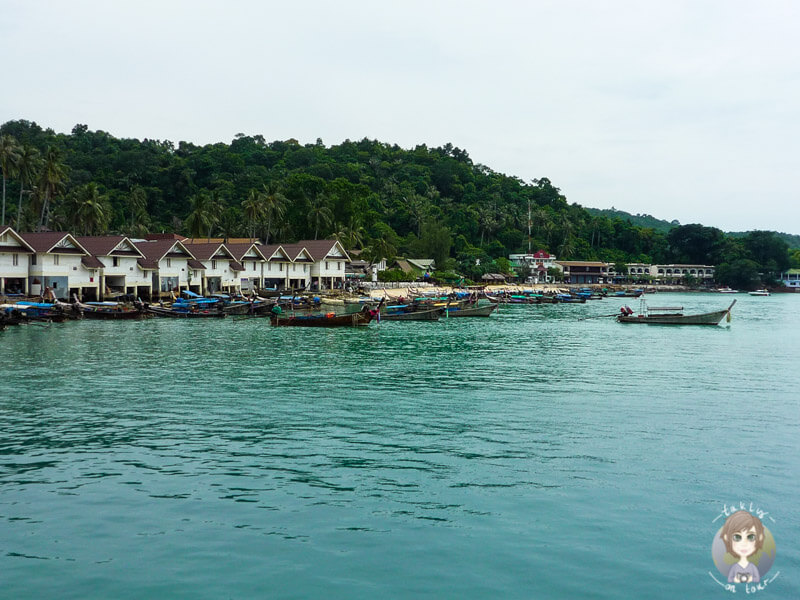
x,y
246,250
92,262
154,251
298,253
236,266
322,249
54,241
206,251
278,252
193,263
423,264
106,245
20,246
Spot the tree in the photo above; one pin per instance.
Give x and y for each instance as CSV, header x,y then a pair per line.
x,y
28,167
274,206
53,178
201,219
253,209
137,202
319,215
92,212
9,157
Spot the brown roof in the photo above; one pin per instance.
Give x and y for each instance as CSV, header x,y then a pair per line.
x,y
92,262
156,250
294,250
195,264
319,249
221,240
164,236
236,266
204,250
239,250
45,240
23,248
101,245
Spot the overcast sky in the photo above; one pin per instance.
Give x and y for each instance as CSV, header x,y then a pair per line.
x,y
685,110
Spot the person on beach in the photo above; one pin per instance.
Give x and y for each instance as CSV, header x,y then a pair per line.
x,y
743,534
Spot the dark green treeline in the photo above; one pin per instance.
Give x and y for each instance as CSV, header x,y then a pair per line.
x,y
386,200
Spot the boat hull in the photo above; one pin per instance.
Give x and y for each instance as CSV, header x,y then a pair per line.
x,y
711,318
414,315
476,311
359,319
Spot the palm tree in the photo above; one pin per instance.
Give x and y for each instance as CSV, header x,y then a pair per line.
x,y
201,218
9,157
28,167
137,201
319,214
253,210
93,211
53,176
274,205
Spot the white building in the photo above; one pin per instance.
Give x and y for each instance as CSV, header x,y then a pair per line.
x,y
536,264
249,256
329,261
221,270
14,260
167,262
116,259
58,264
298,273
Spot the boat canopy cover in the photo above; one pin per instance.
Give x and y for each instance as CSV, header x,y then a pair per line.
x,y
189,294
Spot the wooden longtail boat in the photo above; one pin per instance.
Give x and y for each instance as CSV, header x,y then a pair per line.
x,y
161,311
432,314
474,311
358,319
669,316
110,311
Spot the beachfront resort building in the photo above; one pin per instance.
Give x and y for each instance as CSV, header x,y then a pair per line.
x,y
115,257
167,263
218,268
329,257
15,255
288,266
248,255
533,267
57,264
581,271
791,279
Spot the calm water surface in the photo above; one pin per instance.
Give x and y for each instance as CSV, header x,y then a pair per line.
x,y
534,454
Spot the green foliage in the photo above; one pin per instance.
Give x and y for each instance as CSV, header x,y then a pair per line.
x,y
386,200
397,275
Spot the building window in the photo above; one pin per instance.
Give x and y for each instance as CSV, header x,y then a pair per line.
x,y
33,259
196,274
115,261
280,266
305,268
339,266
55,259
169,262
254,266
15,259
213,264
327,265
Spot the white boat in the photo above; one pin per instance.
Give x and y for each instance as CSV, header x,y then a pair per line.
x,y
727,290
759,293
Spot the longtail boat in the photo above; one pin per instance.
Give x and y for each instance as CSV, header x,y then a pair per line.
x,y
181,313
672,316
432,314
359,319
473,311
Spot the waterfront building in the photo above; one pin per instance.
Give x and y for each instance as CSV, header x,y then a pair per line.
x,y
14,261
533,266
678,274
219,270
167,262
579,271
249,256
115,257
791,279
328,262
288,266
57,263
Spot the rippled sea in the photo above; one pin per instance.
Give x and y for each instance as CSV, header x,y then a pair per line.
x,y
534,454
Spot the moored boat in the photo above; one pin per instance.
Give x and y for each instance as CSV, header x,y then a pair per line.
x,y
673,316
359,319
432,314
759,293
474,311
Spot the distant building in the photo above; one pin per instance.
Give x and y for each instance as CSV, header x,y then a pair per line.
x,y
581,271
536,265
791,279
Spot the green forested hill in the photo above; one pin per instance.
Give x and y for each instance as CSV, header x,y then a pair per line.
x,y
387,200
638,220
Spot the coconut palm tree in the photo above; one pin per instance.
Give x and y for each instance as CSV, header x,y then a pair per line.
x,y
137,202
9,157
92,210
53,176
253,210
28,167
274,205
201,218
319,215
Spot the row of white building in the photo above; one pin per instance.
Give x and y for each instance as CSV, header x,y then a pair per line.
x,y
577,271
105,266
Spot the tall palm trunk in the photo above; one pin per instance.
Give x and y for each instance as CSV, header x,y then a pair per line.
x,y
3,218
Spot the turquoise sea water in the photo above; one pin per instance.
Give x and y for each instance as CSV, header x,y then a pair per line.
x,y
529,455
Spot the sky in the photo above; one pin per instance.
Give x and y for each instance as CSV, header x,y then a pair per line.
x,y
686,110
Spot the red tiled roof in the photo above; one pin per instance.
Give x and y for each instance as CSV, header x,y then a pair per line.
x,y
45,240
204,250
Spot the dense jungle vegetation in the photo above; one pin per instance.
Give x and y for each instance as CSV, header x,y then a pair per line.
x,y
383,199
